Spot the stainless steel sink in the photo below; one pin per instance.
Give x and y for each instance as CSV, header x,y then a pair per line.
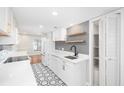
x,y
71,57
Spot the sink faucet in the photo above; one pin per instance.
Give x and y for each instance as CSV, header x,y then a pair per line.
x,y
75,50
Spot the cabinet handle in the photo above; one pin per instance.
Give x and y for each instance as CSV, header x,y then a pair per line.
x,y
8,28
63,67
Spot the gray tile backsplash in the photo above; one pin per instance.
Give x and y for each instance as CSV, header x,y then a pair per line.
x,y
82,47
1,47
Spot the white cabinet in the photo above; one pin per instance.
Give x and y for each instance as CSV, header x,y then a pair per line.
x,y
3,21
8,29
47,47
12,39
75,74
59,67
6,21
54,64
59,35
112,48
108,49
72,74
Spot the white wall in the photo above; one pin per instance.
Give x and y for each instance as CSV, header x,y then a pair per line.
x,y
26,42
122,49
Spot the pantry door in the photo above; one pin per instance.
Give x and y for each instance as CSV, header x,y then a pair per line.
x,y
112,49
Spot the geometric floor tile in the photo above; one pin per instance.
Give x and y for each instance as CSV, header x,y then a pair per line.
x,y
45,76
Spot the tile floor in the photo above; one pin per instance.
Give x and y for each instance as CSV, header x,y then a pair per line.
x,y
45,76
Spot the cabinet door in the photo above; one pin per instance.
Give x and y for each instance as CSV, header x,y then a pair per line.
x,y
2,19
68,73
109,50
55,35
46,59
10,28
112,49
59,35
60,68
57,66
9,20
63,34
53,64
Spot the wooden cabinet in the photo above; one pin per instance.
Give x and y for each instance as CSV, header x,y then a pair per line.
x,y
59,35
36,59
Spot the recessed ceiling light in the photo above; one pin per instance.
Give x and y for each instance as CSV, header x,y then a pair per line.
x,y
41,26
54,13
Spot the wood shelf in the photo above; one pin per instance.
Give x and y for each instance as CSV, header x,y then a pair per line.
x,y
96,34
76,41
96,47
96,58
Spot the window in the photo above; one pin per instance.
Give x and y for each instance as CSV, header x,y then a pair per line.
x,y
37,45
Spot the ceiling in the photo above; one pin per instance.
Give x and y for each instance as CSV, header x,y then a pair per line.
x,y
29,19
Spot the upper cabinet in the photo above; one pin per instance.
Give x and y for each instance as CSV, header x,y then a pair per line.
x,y
5,21
59,35
8,28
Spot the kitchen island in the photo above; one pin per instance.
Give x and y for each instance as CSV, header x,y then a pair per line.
x,y
17,74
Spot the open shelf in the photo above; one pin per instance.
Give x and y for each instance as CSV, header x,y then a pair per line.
x,y
76,41
95,52
96,47
96,58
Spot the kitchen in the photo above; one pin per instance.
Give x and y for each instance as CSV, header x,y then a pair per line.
x,y
60,46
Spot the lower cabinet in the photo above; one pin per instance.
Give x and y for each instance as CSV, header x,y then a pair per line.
x,y
35,59
75,74
72,74
47,60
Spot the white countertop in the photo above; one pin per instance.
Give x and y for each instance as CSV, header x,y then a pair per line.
x,y
17,74
62,54
24,53
31,53
9,54
18,53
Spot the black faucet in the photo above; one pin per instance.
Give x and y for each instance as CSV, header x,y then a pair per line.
x,y
75,50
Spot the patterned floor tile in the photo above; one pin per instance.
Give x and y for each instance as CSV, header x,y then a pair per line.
x,y
45,76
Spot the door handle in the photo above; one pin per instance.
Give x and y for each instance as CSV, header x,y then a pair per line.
x,y
110,58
